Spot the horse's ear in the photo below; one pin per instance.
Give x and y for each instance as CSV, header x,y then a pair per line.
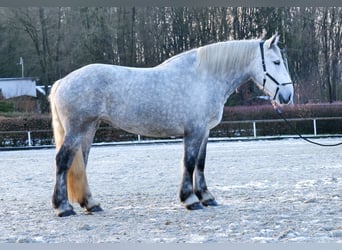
x,y
272,41
263,34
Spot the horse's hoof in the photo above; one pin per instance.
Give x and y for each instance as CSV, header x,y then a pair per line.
x,y
210,202
194,206
96,208
66,213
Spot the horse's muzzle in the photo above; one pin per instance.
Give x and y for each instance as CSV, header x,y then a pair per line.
x,y
285,93
285,98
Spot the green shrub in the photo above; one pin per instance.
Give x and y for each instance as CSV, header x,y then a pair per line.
x,y
6,106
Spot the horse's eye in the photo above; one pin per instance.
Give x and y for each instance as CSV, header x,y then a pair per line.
x,y
277,62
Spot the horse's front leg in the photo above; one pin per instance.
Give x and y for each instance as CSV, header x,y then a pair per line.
x,y
192,145
200,185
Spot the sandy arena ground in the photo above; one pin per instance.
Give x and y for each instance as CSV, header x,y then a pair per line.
x,y
268,191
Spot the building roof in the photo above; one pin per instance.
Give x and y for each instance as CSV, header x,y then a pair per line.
x,y
19,78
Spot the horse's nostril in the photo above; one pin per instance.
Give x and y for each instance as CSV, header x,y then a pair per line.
x,y
284,100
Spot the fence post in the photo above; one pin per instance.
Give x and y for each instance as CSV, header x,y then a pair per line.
x,y
254,129
315,127
29,138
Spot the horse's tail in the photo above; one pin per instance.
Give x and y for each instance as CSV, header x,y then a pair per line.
x,y
76,179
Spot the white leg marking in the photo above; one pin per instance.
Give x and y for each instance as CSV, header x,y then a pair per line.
x,y
192,199
206,196
92,203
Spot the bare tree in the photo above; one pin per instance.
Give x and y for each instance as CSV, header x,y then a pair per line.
x,y
57,41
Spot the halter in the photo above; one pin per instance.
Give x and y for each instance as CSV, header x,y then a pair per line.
x,y
269,75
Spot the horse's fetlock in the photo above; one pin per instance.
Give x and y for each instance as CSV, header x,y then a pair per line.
x,y
198,194
83,204
207,199
63,208
191,199
184,195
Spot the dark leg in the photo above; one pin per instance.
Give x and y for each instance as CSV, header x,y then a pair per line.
x,y
88,202
192,144
64,159
200,186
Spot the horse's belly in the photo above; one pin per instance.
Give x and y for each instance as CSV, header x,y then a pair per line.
x,y
156,132
148,119
153,131
149,127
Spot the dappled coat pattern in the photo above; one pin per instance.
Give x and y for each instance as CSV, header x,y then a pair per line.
x,y
184,96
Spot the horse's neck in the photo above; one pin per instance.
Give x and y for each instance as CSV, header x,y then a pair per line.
x,y
233,81
228,63
226,83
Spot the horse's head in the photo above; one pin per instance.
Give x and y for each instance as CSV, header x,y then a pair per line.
x,y
270,72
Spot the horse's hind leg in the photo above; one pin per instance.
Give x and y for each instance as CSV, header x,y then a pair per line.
x,y
77,184
87,201
64,159
200,186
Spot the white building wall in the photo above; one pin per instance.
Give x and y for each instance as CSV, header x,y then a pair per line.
x,y
13,87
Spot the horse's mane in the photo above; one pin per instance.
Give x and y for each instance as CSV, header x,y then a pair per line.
x,y
221,57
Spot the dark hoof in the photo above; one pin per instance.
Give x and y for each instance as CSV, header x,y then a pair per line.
x,y
66,213
210,202
194,206
95,209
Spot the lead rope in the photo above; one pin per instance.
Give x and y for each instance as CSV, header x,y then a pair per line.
x,y
279,112
277,109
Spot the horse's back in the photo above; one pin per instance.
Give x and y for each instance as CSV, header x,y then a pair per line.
x,y
138,100
158,101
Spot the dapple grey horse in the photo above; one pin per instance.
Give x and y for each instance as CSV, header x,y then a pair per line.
x,y
183,96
